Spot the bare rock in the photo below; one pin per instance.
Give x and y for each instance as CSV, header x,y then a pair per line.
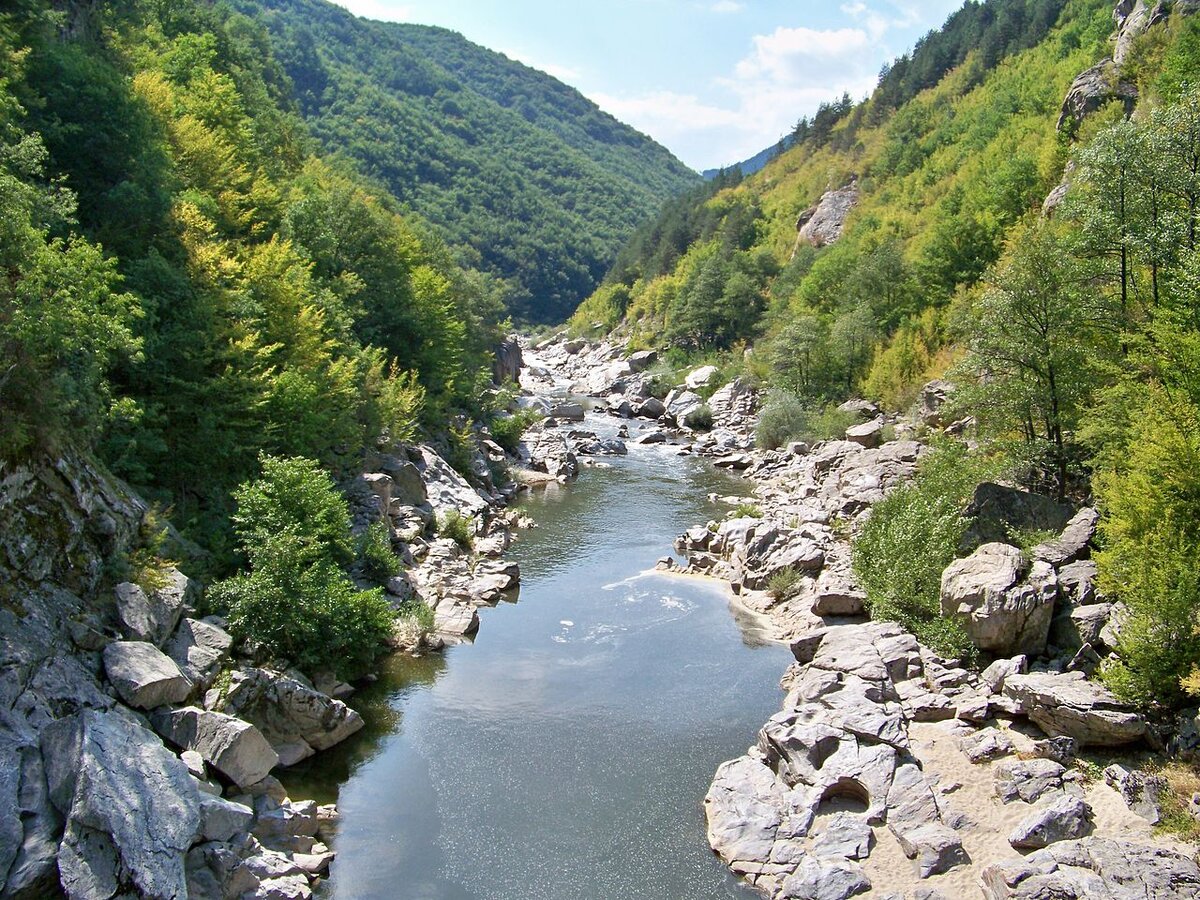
x,y
234,748
985,744
1067,818
935,848
825,879
1070,705
1075,541
1006,605
868,434
143,675
199,649
1028,780
152,617
995,511
1141,791
822,225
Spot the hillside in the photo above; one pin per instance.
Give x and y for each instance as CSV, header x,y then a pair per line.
x,y
525,177
1020,225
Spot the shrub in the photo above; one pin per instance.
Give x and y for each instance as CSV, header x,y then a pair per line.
x,y
747,511
910,538
783,417
783,584
418,612
307,612
700,418
296,601
375,551
507,430
458,528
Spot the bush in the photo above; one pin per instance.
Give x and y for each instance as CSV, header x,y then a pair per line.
x,y
785,418
296,601
747,511
507,430
459,528
700,418
375,551
418,612
910,538
783,584
304,611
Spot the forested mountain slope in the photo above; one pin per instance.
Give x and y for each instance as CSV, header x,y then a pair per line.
x,y
1020,222
189,284
525,177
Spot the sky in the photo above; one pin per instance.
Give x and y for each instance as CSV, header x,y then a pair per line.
x,y
715,81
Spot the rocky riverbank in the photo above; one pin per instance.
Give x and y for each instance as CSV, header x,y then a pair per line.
x,y
890,771
138,743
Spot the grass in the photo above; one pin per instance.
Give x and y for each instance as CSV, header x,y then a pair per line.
x,y
458,528
747,511
783,584
1183,781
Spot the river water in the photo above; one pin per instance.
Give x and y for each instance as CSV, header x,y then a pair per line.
x,y
566,753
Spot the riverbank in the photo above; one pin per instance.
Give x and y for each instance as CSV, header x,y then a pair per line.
x,y
891,772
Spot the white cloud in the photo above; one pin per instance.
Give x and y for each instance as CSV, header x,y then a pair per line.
x,y
727,6
562,73
383,10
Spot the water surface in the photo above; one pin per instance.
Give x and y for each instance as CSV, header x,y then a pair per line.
x,y
566,753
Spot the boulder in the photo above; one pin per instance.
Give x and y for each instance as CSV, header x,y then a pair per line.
x,y
996,511
680,404
744,808
1093,869
130,806
934,397
1141,791
234,748
868,434
1075,626
153,616
408,487
1077,581
289,712
221,819
143,675
1075,541
642,360
199,649
1069,705
445,488
935,848
650,408
1005,604
985,744
825,879
1092,89
701,377
845,835
571,411
507,362
1065,819
864,409
1028,780
822,225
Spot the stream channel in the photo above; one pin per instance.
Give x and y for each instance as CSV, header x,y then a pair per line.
x,y
567,752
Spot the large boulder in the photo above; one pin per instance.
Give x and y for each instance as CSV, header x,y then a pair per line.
x,y
680,404
866,434
297,719
1005,604
933,400
642,360
1075,541
445,488
200,648
1070,705
700,378
996,511
506,365
1094,869
822,225
233,747
1064,819
131,807
143,675
1092,89
153,616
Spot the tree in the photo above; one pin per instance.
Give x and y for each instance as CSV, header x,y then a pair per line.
x,y
1036,338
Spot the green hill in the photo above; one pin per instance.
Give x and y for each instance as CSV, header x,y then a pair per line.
x,y
524,176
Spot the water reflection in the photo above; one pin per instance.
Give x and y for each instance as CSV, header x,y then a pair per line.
x,y
566,753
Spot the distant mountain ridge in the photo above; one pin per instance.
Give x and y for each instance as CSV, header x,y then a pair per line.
x,y
756,163
525,177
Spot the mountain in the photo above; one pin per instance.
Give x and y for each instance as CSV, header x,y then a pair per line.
x,y
521,174
753,164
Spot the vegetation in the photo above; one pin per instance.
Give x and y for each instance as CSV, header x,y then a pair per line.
x,y
458,528
783,584
524,177
296,601
910,538
785,418
375,551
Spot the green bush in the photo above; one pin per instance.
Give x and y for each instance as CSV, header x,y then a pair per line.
x,y
375,551
747,511
910,538
507,430
296,602
417,611
700,418
783,584
786,418
459,528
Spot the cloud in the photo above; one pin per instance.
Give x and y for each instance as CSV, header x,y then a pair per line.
x,y
727,6
562,73
383,10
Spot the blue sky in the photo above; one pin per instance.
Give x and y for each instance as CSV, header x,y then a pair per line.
x,y
714,80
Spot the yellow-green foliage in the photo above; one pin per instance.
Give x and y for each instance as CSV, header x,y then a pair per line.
x,y
941,180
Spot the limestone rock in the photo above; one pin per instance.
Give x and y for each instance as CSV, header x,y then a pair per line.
x,y
642,360
1067,818
143,675
845,835
1006,605
822,225
1070,705
651,408
744,808
1094,869
985,744
130,806
221,819
152,617
934,398
289,712
1093,88
234,748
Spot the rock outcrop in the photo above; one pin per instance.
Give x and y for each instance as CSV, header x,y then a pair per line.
x,y
822,225
1004,602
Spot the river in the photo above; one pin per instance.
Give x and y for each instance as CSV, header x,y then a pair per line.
x,y
566,753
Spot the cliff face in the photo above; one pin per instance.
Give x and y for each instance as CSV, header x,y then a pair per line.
x,y
63,519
